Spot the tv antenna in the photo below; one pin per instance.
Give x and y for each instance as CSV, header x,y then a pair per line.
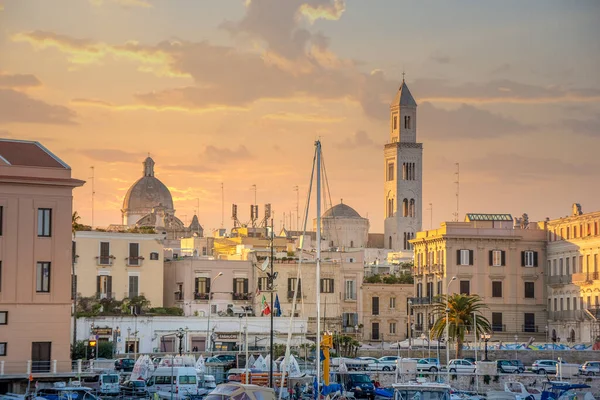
x,y
457,182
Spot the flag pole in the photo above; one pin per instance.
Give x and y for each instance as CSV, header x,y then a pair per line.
x,y
271,288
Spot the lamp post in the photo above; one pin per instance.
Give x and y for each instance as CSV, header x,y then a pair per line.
x,y
448,325
180,334
486,337
208,344
409,327
116,336
516,339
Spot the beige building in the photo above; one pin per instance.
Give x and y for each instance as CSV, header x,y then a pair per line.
x,y
492,256
35,257
573,277
119,265
384,313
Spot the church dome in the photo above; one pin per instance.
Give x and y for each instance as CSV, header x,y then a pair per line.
x,y
341,211
148,192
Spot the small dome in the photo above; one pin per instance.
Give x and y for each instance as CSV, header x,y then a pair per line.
x,y
341,211
148,192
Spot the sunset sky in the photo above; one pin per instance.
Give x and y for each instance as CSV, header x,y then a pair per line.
x,y
237,91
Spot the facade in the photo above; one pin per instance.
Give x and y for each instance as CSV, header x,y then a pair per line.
x,y
112,265
35,257
384,313
149,204
343,227
491,257
403,163
573,277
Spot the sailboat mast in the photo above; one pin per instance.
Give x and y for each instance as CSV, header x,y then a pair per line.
x,y
318,272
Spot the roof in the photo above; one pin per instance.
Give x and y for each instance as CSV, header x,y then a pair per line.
x,y
488,217
341,211
28,154
148,191
404,97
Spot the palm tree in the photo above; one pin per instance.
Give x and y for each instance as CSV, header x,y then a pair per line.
x,y
461,310
75,225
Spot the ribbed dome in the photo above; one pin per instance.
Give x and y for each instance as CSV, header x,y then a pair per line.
x,y
148,192
341,211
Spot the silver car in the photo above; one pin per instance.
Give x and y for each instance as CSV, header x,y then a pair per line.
x,y
590,368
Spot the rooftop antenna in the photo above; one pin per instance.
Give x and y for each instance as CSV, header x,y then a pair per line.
x,y
297,208
222,205
93,194
457,182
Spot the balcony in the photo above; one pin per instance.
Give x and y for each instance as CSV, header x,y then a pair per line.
x,y
201,296
498,328
179,296
584,277
417,301
529,328
556,280
134,261
241,296
105,261
290,294
131,295
102,296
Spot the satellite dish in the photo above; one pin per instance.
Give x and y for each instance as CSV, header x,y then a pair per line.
x,y
264,265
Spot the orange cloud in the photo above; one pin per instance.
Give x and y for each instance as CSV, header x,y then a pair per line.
x,y
125,3
285,116
149,107
18,81
331,12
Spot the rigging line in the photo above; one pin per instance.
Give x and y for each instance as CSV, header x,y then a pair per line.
x,y
298,277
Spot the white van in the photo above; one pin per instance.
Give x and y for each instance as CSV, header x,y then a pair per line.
x,y
106,384
182,380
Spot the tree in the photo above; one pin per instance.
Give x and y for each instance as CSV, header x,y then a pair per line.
x,y
461,309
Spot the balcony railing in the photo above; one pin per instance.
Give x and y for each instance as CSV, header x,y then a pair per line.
x,y
586,276
421,300
101,296
105,260
179,296
131,295
498,328
241,296
529,328
290,294
134,261
201,296
559,279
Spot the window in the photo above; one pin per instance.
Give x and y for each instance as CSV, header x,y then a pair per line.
x,y
3,317
529,290
529,258
134,254
405,208
326,285
567,266
439,288
497,325
104,287
529,322
375,306
43,277
465,287
392,303
390,171
375,331
0,276
395,122
1,219
154,255
350,290
429,290
392,328
497,289
240,285
464,257
2,349
44,222
202,287
349,319
105,253
497,258
263,283
134,286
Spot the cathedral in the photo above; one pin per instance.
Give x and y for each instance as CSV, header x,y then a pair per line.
x,y
149,204
403,157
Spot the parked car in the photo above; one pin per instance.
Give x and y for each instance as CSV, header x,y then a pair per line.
x,y
470,359
461,366
509,367
428,364
124,364
387,363
134,389
544,366
519,365
590,368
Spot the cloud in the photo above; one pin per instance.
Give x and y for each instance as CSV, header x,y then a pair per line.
x,y
464,122
124,3
188,108
590,127
18,81
323,10
188,168
113,155
224,155
440,58
296,117
19,107
360,140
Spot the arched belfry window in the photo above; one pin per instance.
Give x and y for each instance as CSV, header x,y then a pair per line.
x,y
405,208
411,211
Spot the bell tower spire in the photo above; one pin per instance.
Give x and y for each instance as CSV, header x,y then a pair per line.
x,y
403,115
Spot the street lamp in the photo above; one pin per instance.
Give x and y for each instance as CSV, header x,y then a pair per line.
x,y
486,337
180,334
448,320
516,340
208,344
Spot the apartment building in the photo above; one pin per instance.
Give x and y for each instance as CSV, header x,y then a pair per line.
x,y
115,265
385,312
573,276
491,255
35,257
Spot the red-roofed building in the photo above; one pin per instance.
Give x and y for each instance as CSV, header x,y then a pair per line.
x,y
35,258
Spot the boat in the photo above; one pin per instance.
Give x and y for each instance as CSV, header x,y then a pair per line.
x,y
521,392
559,390
234,390
421,390
62,391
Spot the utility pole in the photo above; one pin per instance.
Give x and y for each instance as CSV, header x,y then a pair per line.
x,y
271,288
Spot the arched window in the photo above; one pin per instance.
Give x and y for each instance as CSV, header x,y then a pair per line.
x,y
572,336
405,208
390,242
395,122
411,211
351,243
404,177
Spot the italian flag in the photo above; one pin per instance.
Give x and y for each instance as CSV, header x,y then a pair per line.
x,y
266,310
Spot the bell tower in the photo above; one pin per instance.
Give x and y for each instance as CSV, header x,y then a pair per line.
x,y
403,165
